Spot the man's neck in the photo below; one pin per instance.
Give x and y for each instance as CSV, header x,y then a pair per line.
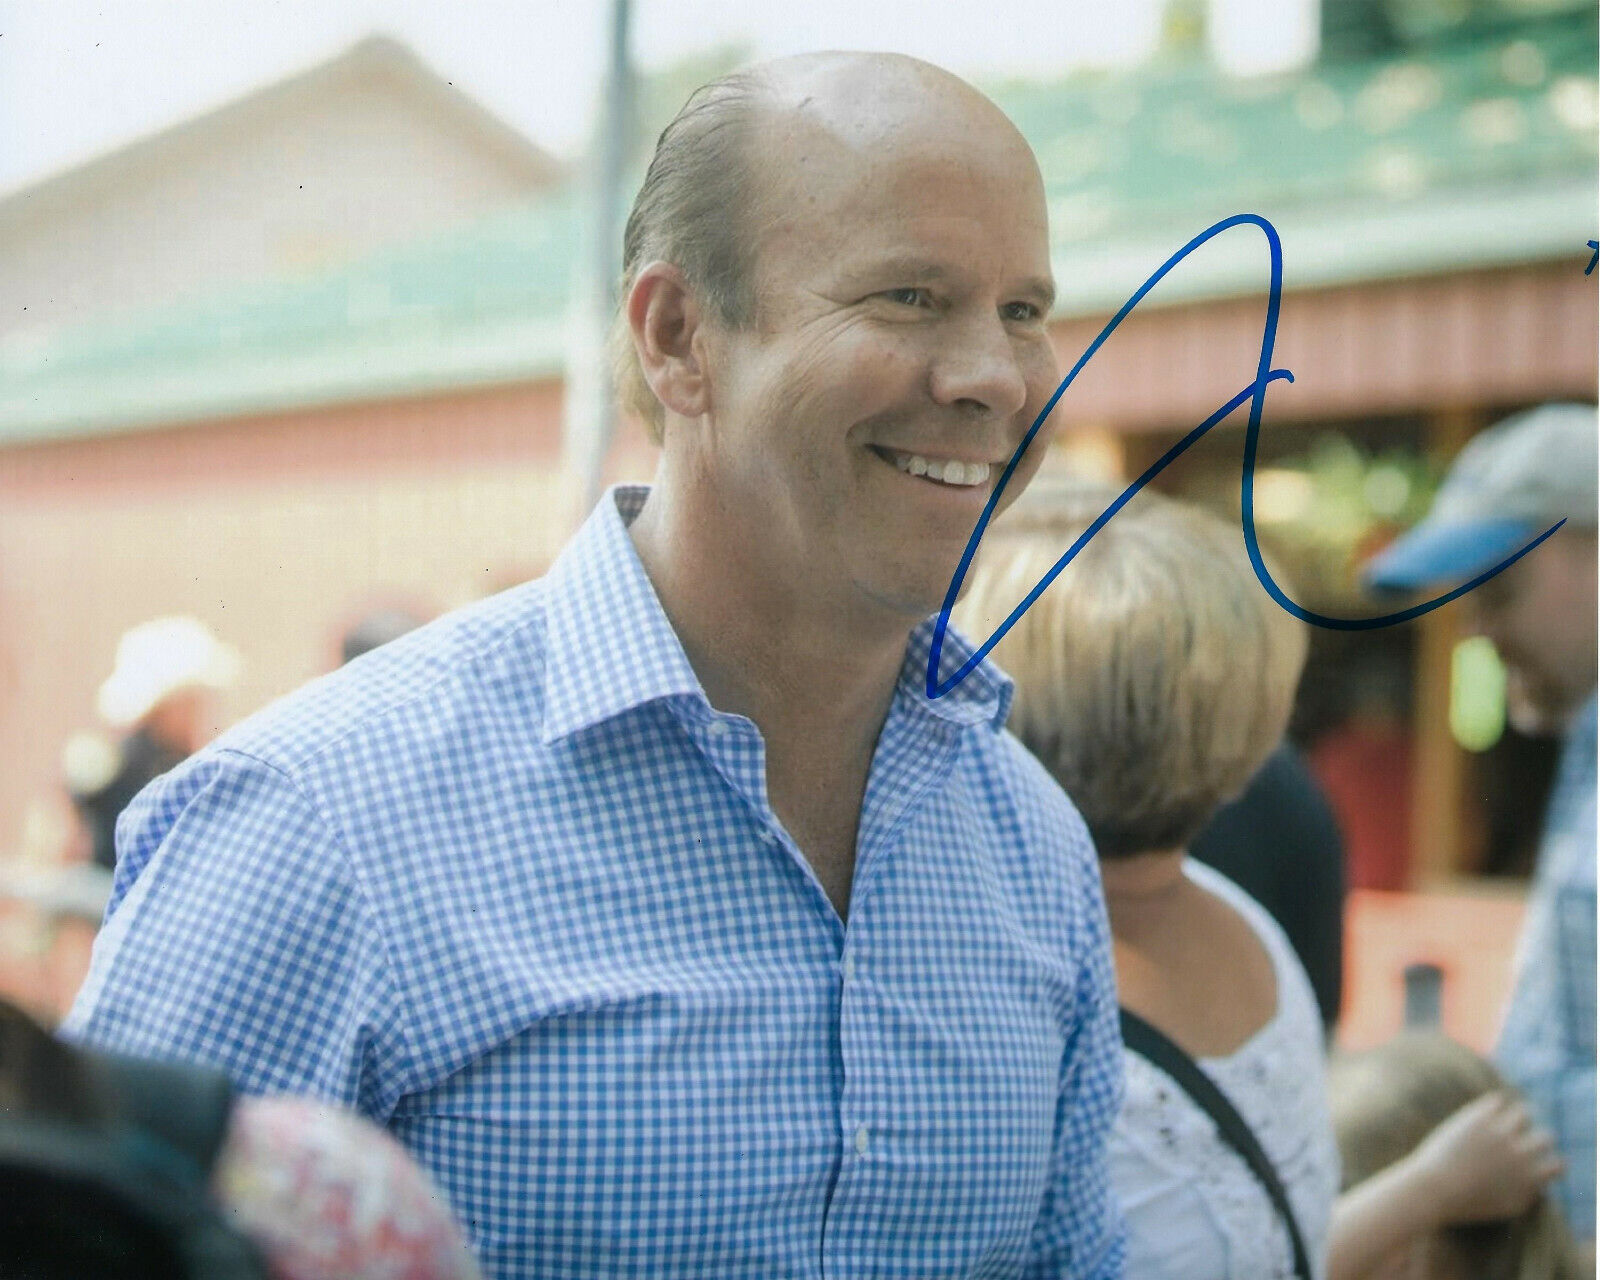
x,y
764,644
816,676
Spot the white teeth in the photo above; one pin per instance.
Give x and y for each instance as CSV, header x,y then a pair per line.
x,y
951,471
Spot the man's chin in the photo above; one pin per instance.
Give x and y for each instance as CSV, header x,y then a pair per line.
x,y
912,599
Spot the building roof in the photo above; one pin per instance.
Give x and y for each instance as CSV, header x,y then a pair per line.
x,y
1478,152
377,57
1474,154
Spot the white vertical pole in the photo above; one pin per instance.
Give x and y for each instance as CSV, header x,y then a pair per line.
x,y
590,397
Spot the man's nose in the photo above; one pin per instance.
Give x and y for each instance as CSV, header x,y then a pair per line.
x,y
978,366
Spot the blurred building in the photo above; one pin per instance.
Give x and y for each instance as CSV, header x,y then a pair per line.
x,y
266,455
1433,179
369,149
222,390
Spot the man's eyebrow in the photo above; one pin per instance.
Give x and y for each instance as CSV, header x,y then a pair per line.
x,y
907,265
1040,289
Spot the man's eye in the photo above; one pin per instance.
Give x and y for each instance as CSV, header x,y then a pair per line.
x,y
908,297
1020,311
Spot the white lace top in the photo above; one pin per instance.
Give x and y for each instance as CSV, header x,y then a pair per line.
x,y
1194,1209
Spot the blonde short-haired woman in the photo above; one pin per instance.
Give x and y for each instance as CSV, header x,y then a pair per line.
x,y
1152,679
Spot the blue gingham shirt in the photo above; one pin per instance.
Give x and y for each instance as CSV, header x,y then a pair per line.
x,y
511,886
1547,1046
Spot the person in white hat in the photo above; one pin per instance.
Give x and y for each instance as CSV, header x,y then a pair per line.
x,y
1511,484
162,696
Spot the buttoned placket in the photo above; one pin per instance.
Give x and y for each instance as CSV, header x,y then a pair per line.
x,y
734,747
915,750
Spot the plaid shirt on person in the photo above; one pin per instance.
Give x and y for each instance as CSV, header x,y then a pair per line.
x,y
1547,1047
511,886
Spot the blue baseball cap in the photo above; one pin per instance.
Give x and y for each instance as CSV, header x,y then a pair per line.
x,y
1510,484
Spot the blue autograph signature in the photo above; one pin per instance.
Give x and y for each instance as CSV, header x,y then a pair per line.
x,y
1256,394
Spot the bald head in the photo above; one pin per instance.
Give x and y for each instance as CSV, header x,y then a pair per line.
x,y
751,150
863,100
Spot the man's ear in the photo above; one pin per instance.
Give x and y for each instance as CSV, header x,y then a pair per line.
x,y
665,317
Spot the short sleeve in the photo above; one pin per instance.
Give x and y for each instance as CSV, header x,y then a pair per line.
x,y
238,936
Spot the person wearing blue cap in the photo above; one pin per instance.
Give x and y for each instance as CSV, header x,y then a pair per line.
x,y
1511,484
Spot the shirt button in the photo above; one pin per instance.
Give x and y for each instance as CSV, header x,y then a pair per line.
x,y
717,728
862,1141
848,968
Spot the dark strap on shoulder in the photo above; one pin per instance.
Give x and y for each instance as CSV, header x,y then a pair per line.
x,y
1153,1046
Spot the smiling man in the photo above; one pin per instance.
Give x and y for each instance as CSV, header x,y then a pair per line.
x,y
653,904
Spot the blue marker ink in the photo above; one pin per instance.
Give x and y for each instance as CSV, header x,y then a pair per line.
x,y
1255,393
1595,245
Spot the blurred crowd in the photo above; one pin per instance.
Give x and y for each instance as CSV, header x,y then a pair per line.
x,y
1415,1159
158,707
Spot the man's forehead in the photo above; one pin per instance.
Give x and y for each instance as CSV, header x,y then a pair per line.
x,y
842,135
872,100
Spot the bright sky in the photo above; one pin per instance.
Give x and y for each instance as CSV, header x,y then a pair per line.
x,y
79,77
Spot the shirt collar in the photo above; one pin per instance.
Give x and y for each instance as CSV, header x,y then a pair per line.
x,y
610,647
983,697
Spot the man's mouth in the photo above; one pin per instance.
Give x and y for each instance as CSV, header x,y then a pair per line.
x,y
950,471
